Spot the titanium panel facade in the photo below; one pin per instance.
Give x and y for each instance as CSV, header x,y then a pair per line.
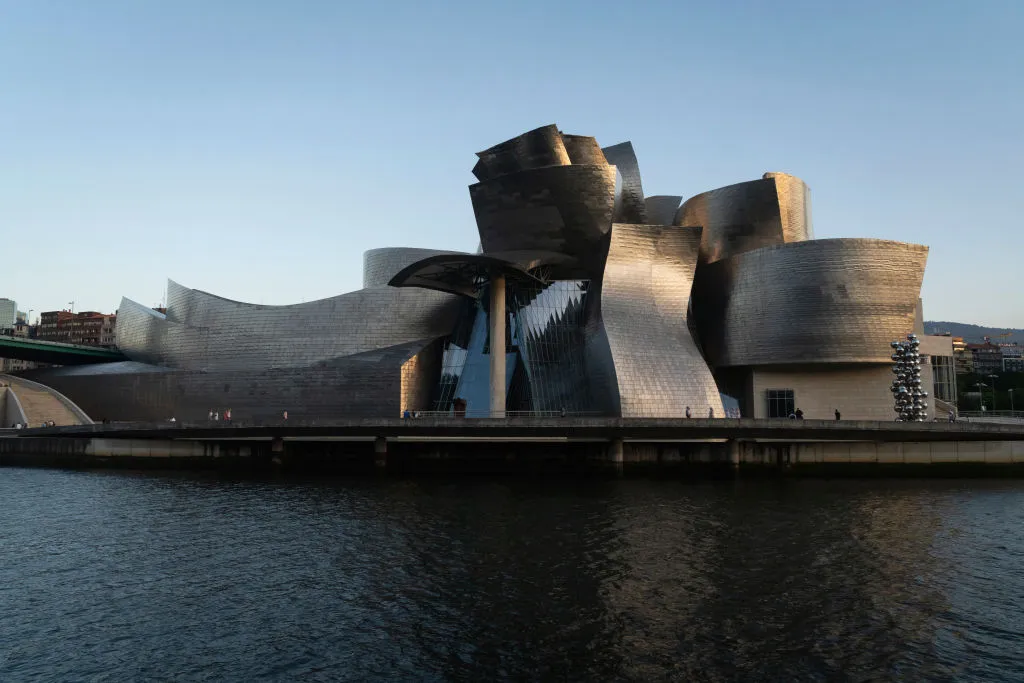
x,y
375,384
632,208
823,301
561,209
661,209
747,216
213,333
655,368
538,148
380,265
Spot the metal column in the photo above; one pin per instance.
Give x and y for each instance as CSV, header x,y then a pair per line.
x,y
497,320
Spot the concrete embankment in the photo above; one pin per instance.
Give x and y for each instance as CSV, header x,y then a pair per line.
x,y
717,458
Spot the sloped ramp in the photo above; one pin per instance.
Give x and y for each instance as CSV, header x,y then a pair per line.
x,y
41,404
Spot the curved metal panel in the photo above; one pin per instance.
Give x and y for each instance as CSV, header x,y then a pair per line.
x,y
661,209
748,216
656,368
383,382
583,150
538,148
219,334
139,330
561,209
822,301
380,265
632,208
794,207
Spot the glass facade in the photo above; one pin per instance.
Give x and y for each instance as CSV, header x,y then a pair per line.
x,y
781,402
944,378
548,331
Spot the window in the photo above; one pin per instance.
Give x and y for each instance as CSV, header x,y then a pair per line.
x,y
781,402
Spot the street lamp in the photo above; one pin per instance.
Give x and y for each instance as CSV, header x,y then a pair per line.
x,y
994,378
1011,399
981,395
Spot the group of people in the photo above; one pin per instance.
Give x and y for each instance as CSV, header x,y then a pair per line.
x,y
216,415
711,412
22,425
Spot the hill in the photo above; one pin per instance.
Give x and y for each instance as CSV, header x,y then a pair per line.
x,y
974,333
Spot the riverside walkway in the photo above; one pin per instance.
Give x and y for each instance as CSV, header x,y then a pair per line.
x,y
497,430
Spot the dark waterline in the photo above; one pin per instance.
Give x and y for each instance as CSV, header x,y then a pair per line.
x,y
119,576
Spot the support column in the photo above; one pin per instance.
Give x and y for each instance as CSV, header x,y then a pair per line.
x,y
497,320
380,453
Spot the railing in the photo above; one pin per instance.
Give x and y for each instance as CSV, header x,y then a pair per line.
x,y
1019,414
483,414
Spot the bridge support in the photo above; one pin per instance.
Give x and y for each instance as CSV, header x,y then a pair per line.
x,y
615,453
732,451
380,453
497,333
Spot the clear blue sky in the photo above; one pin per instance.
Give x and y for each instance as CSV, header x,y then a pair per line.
x,y
255,149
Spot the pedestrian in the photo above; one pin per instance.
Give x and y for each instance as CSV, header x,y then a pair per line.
x,y
952,415
688,414
210,415
711,412
284,416
799,414
792,416
406,415
216,416
837,414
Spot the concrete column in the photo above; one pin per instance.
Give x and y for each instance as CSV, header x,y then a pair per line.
x,y
497,346
380,452
615,451
733,450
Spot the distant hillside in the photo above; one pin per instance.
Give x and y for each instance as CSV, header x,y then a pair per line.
x,y
974,333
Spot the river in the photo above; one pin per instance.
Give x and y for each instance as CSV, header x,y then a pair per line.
x,y
114,576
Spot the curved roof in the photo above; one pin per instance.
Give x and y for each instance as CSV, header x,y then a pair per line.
x,y
820,301
772,210
465,274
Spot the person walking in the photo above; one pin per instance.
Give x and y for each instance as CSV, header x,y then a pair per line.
x,y
711,412
284,416
799,414
952,415
210,415
837,415
216,416
227,415
687,411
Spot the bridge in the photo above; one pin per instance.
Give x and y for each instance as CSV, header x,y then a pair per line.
x,y
56,353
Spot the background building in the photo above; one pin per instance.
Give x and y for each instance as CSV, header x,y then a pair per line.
x,y
8,314
87,328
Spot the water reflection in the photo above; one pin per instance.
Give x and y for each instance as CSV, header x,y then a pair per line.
x,y
130,577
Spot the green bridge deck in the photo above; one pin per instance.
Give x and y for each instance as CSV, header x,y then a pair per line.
x,y
56,353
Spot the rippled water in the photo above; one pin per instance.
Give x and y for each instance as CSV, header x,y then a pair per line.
x,y
126,577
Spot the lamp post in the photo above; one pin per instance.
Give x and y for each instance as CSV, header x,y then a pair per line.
x,y
993,378
981,395
1011,400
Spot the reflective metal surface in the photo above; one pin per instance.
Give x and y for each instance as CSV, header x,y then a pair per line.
x,y
746,216
631,207
661,209
655,368
562,209
380,265
822,301
538,148
203,331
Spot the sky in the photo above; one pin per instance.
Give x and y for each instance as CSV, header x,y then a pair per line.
x,y
256,149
